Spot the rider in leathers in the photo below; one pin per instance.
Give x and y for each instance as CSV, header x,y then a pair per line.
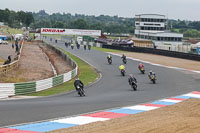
x,y
78,82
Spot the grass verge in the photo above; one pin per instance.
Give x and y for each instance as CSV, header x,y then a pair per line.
x,y
86,74
8,30
106,50
2,60
31,35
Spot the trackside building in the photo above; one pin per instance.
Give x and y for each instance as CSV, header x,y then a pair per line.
x,y
154,27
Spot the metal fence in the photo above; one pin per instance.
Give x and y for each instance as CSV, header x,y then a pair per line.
x,y
178,48
6,68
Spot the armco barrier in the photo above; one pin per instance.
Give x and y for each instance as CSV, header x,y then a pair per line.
x,y
11,89
155,51
7,89
23,88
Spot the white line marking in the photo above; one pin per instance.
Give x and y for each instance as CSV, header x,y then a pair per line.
x,y
141,107
80,120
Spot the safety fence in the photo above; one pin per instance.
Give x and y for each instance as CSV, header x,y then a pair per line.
x,y
6,68
11,89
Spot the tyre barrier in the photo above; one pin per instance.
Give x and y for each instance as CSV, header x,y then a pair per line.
x,y
12,89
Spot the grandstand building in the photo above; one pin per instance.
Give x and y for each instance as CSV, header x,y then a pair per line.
x,y
154,27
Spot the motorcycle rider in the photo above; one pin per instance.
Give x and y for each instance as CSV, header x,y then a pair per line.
x,y
84,46
151,73
123,57
140,66
78,82
109,57
89,47
131,78
121,67
77,45
72,45
66,44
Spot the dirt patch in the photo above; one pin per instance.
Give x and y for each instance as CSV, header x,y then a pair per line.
x,y
34,65
5,51
180,118
164,60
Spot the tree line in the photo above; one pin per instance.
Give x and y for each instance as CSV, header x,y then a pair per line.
x,y
16,19
109,24
188,28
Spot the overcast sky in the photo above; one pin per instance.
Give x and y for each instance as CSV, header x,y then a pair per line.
x,y
176,9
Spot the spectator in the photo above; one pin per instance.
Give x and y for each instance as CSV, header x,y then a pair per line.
x,y
8,61
16,48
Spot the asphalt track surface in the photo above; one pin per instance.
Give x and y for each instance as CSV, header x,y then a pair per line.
x,y
111,91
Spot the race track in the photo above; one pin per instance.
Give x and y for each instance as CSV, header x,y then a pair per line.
x,y
111,91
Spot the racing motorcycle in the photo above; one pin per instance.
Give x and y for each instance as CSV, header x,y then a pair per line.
x,y
124,61
142,70
78,46
89,47
153,78
110,61
133,85
84,46
80,91
72,47
123,72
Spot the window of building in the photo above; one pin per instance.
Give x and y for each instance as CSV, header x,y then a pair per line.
x,y
142,19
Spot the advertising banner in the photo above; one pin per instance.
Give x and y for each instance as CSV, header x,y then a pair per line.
x,y
79,32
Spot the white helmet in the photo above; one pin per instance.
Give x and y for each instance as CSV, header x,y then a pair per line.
x,y
150,71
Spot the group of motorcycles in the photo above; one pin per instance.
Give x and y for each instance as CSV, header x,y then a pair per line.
x,y
152,75
77,46
133,83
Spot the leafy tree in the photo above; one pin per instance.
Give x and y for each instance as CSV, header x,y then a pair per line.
x,y
192,33
58,25
16,19
79,24
28,19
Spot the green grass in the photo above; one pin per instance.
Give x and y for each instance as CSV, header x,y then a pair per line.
x,y
2,60
86,74
106,50
31,35
8,30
